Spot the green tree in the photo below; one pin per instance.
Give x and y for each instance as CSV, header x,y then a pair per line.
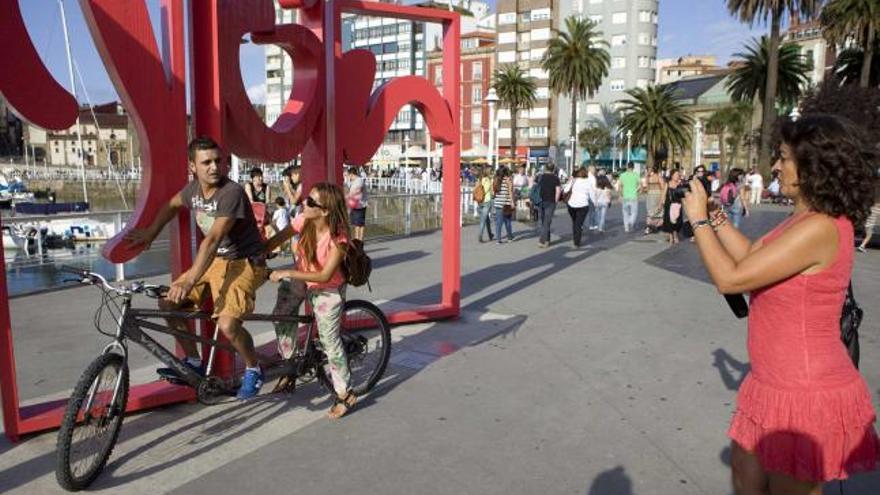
x,y
656,118
730,124
849,66
749,80
516,91
576,61
594,138
859,19
752,11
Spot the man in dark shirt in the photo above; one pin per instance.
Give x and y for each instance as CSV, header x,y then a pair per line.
x,y
230,265
550,188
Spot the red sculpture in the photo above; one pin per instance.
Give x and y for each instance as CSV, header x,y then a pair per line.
x,y
330,118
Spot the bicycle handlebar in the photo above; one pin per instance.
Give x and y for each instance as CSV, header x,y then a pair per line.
x,y
85,276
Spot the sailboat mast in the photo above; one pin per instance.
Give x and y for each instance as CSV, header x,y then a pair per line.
x,y
82,152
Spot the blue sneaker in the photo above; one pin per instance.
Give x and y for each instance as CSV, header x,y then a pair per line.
x,y
250,384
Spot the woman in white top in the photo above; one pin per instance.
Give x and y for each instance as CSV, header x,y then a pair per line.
x,y
603,200
577,191
756,187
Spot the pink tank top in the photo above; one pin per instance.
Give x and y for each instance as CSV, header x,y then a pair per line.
x,y
794,325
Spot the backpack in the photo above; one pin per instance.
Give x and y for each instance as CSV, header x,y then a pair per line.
x,y
728,194
357,265
479,192
535,194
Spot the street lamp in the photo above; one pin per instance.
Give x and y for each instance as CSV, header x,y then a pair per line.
x,y
698,142
492,100
629,135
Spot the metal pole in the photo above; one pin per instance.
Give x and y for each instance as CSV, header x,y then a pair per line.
x,y
82,157
120,267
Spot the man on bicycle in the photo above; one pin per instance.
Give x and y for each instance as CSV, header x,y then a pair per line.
x,y
230,265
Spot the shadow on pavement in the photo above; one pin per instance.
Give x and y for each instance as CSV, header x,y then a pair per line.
x,y
727,363
612,482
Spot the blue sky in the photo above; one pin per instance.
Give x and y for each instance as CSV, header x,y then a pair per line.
x,y
686,26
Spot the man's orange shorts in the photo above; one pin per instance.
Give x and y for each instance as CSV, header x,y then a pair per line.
x,y
232,284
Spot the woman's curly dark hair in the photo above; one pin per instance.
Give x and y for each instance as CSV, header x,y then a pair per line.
x,y
837,166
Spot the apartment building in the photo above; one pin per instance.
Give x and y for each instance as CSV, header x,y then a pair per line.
x,y
674,69
807,35
279,70
477,65
524,31
630,29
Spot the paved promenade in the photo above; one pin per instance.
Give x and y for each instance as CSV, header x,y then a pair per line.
x,y
608,370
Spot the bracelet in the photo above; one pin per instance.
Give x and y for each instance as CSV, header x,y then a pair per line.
x,y
700,223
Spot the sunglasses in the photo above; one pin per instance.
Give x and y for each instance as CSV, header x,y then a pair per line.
x,y
311,203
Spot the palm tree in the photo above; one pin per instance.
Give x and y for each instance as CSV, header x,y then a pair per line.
x,y
516,91
656,118
594,138
729,124
849,63
752,11
576,61
859,19
749,80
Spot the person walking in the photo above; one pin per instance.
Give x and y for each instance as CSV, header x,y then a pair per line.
x,y
870,225
653,186
487,210
804,414
520,188
591,194
356,200
756,187
503,203
732,197
603,200
550,189
672,218
578,203
629,194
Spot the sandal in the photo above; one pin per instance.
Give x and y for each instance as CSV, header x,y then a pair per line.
x,y
286,385
342,405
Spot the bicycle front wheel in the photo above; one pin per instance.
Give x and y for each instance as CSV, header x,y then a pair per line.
x,y
91,422
366,336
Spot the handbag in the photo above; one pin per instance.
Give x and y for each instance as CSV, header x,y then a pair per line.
x,y
566,195
507,211
850,320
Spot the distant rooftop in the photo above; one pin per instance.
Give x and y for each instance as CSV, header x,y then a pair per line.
x,y
691,88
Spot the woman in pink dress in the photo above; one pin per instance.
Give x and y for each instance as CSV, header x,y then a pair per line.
x,y
804,413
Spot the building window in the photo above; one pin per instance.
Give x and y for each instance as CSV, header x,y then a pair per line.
x,y
653,41
542,93
593,2
540,14
618,18
644,39
540,34
507,18
618,40
644,16
389,30
476,94
596,18
654,17
476,118
525,17
508,37
477,70
644,63
506,57
405,27
642,83
540,131
477,138
653,63
618,63
618,85
594,109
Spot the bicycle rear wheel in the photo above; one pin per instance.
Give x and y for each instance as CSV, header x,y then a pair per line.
x,y
91,422
366,336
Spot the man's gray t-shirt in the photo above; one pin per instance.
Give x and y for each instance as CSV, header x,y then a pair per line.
x,y
229,200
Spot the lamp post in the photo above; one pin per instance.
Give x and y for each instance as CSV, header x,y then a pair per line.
x,y
629,135
406,141
491,153
698,142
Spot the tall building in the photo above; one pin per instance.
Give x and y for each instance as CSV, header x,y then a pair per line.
x,y
524,31
477,64
279,70
630,29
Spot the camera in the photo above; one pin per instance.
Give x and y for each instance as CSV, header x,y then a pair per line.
x,y
679,192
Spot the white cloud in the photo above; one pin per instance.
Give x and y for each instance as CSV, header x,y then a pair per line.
x,y
257,93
